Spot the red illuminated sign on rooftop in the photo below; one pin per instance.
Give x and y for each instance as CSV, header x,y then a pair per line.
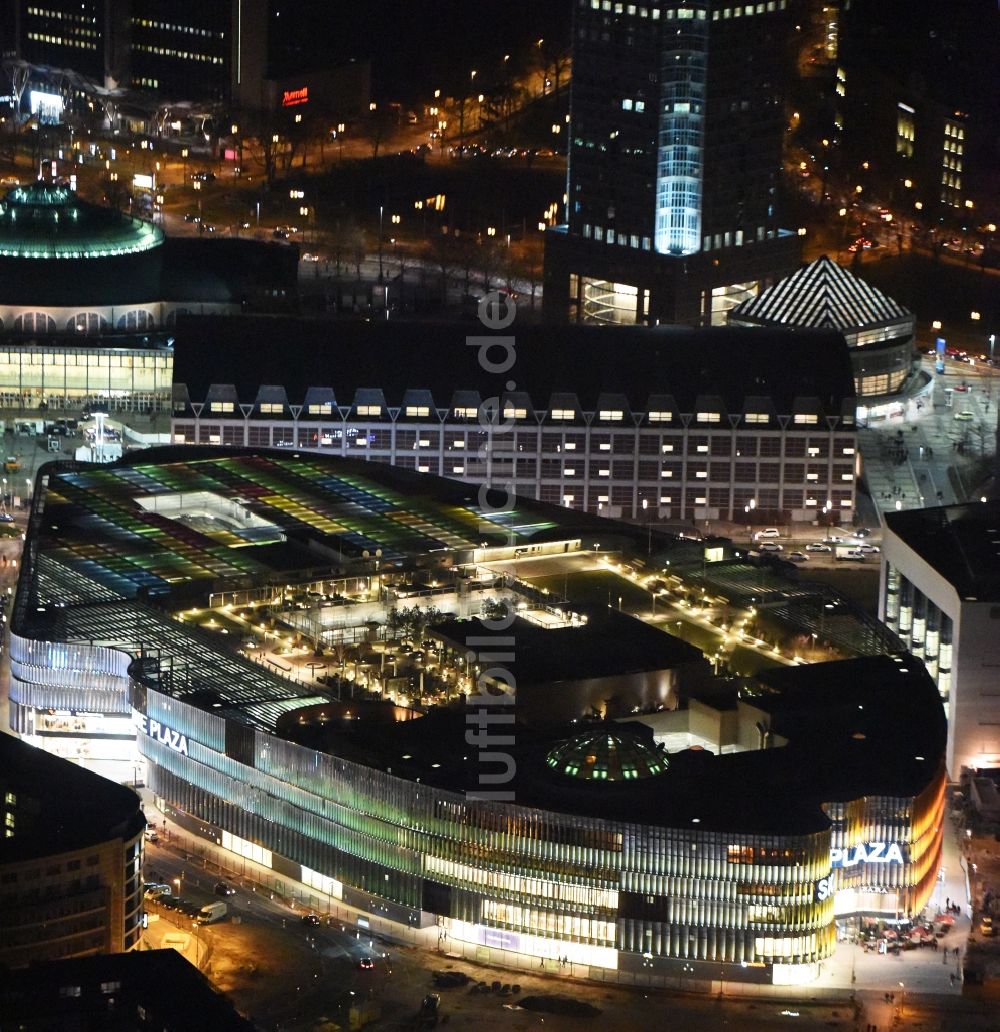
x,y
292,97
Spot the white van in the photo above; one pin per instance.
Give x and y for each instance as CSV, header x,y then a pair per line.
x,y
211,912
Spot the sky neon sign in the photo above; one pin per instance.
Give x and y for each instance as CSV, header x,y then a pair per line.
x,y
292,97
866,853
166,735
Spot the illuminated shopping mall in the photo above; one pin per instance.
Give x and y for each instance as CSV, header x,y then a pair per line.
x,y
583,847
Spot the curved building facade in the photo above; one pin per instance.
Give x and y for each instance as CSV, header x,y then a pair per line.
x,y
70,859
585,850
70,266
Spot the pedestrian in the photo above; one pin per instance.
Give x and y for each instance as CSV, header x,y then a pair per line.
x,y
947,903
951,978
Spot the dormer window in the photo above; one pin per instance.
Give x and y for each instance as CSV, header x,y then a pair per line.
x,y
611,415
806,419
563,413
369,410
272,408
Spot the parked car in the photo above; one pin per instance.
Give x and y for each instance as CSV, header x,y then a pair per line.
x,y
869,549
770,546
429,1008
818,546
767,532
797,557
965,416
852,555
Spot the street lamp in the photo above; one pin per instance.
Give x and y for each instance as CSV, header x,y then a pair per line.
x,y
381,217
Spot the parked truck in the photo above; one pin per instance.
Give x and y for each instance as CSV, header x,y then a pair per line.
x,y
212,912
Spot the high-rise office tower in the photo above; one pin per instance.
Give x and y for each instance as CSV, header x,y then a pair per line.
x,y
676,123
215,50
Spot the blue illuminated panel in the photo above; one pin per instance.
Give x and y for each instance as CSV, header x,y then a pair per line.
x,y
680,156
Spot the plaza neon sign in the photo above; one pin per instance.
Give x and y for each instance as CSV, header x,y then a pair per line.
x,y
167,736
292,97
866,853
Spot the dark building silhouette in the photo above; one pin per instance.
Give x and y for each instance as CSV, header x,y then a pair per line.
x,y
156,990
70,860
918,92
676,129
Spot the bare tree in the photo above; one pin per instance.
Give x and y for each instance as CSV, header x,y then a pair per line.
x,y
489,262
529,269
378,127
358,250
114,191
441,252
263,141
466,257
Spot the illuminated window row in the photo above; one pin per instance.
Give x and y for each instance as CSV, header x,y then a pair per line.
x,y
184,55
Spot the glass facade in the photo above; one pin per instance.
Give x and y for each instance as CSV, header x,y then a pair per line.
x,y
683,70
564,879
129,379
615,894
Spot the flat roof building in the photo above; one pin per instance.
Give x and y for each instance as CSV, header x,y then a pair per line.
x,y
633,422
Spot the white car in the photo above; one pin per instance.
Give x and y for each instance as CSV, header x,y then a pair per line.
x,y
869,549
767,532
770,546
818,546
797,557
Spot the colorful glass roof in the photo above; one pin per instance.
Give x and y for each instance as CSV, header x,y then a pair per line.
x,y
145,526
44,220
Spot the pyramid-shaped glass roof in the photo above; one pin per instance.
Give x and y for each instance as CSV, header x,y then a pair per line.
x,y
821,295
